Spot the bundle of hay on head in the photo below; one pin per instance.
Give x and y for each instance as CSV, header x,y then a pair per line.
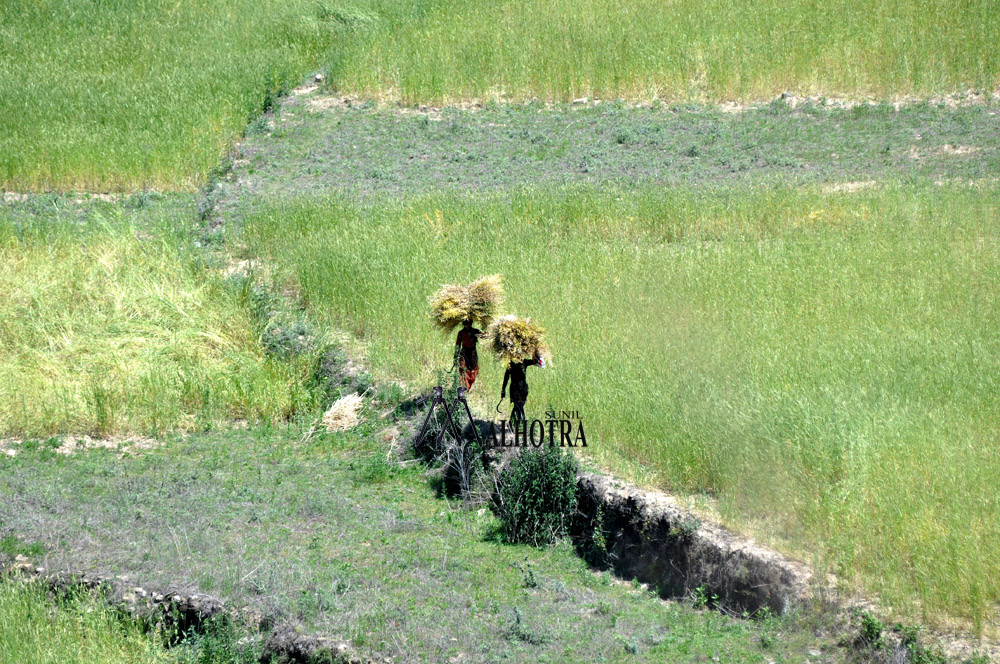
x,y
513,339
479,302
485,299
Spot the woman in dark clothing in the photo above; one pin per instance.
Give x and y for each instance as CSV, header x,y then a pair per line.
x,y
468,358
515,374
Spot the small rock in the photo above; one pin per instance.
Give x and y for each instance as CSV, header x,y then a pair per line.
x,y
319,78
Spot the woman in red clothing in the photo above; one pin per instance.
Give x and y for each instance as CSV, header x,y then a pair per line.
x,y
465,351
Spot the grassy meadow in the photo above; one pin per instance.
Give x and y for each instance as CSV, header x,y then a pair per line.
x,y
122,96
113,96
326,533
824,364
78,629
112,322
792,310
693,50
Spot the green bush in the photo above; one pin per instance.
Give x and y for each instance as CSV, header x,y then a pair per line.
x,y
536,496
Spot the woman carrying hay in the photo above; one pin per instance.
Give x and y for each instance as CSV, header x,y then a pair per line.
x,y
479,302
519,385
519,343
465,352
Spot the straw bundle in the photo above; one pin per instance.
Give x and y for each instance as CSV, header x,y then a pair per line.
x,y
485,298
480,302
343,414
514,339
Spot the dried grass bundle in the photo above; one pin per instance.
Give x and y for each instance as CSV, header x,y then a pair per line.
x,y
514,339
343,414
480,301
449,306
485,298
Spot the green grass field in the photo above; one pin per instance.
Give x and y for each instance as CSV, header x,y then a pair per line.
x,y
112,322
704,50
823,363
78,629
151,94
142,94
330,536
76,626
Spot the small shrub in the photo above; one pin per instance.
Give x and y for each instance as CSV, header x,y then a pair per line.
x,y
519,630
220,641
376,469
870,635
686,529
529,574
624,137
702,598
536,496
598,551
909,638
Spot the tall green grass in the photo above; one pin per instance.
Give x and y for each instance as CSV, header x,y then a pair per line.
x,y
78,629
114,325
826,365
706,50
116,95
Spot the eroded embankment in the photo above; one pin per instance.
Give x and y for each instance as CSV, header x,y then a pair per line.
x,y
183,613
646,535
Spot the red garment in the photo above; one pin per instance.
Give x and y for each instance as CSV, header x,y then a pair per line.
x,y
467,337
468,359
467,376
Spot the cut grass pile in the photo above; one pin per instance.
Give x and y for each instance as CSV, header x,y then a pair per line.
x,y
709,50
112,323
126,95
825,364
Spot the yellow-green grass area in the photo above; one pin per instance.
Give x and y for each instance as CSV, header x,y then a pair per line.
x,y
435,51
112,324
117,95
825,364
39,625
78,628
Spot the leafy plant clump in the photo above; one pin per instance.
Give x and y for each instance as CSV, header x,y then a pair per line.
x,y
536,496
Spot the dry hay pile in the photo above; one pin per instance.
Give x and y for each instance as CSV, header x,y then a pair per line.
x,y
515,339
343,414
479,302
